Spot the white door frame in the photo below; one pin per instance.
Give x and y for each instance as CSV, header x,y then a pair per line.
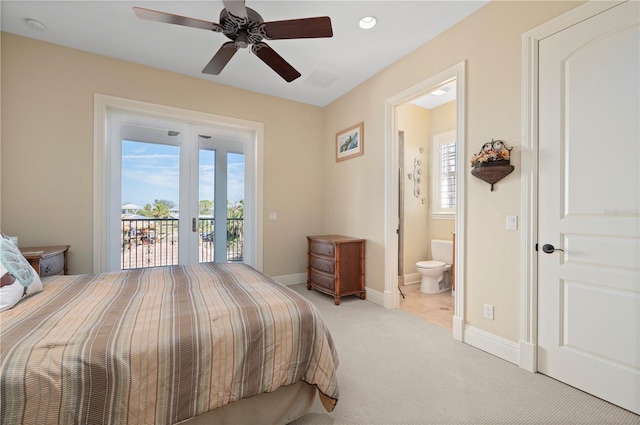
x,y
528,345
103,104
391,293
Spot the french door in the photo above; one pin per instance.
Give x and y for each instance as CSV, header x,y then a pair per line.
x,y
171,186
220,197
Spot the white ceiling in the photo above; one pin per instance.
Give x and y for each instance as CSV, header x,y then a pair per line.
x,y
330,67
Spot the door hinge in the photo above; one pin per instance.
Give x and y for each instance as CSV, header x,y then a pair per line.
x,y
536,247
194,227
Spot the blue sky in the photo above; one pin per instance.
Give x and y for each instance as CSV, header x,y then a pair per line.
x,y
150,171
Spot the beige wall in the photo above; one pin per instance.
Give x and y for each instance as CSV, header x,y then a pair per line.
x,y
415,123
489,41
47,150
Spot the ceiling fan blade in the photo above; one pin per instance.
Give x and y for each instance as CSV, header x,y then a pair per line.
x,y
236,8
221,58
169,18
299,28
275,61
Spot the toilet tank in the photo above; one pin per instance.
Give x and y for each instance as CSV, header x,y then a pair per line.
x,y
442,250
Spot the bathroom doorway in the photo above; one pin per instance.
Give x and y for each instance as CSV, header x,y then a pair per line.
x,y
427,158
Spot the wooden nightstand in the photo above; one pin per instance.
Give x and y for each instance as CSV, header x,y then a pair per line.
x,y
47,260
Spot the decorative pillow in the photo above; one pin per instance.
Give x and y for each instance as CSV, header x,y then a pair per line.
x,y
17,278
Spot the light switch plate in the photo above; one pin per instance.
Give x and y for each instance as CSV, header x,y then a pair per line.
x,y
512,222
273,216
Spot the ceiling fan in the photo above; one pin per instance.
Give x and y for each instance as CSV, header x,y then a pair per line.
x,y
245,27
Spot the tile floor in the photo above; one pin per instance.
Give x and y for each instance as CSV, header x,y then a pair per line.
x,y
434,308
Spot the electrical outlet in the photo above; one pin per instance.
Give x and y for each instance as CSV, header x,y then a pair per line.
x,y
488,311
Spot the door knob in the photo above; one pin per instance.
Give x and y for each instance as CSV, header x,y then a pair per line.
x,y
550,249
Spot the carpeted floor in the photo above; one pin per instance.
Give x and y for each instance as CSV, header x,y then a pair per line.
x,y
398,369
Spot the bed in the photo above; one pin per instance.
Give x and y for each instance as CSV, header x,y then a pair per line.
x,y
198,344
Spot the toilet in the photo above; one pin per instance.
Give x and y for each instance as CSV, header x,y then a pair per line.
x,y
432,271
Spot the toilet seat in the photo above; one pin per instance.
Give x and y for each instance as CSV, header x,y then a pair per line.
x,y
431,264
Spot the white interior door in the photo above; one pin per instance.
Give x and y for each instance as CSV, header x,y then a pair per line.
x,y
588,294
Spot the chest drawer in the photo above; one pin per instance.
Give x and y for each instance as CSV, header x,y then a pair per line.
x,y
323,248
323,280
52,265
323,264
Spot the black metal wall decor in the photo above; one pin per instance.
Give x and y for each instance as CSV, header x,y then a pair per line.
x,y
493,162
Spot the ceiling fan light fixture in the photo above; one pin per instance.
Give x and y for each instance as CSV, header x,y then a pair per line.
x,y
368,22
242,39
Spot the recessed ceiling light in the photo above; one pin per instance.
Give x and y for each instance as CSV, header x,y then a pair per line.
x,y
440,91
35,25
368,22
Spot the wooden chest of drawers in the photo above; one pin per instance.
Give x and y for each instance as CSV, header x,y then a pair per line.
x,y
335,265
47,260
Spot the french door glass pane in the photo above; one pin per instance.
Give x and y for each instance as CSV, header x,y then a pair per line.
x,y
206,189
221,204
149,195
235,207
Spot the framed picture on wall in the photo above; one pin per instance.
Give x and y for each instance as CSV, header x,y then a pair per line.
x,y
350,142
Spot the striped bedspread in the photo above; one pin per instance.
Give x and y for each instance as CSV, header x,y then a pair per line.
x,y
157,346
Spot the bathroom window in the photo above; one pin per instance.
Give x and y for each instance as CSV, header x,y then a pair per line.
x,y
443,178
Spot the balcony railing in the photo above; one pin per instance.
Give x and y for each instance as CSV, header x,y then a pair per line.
x,y
152,242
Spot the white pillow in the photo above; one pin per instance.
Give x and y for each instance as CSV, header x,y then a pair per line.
x,y
26,281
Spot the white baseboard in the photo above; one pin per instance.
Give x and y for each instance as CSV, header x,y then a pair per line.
x,y
492,344
291,279
458,328
410,279
528,356
375,297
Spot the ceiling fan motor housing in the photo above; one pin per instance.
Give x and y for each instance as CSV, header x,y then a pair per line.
x,y
243,31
